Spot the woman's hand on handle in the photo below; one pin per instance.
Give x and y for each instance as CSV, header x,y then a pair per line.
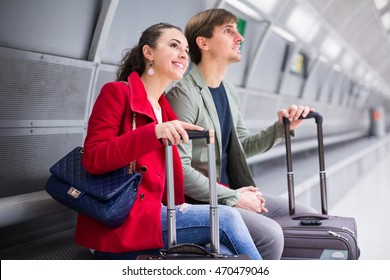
x,y
175,131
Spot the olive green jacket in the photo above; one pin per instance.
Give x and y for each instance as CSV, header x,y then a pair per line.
x,y
192,102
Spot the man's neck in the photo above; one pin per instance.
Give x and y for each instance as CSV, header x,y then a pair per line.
x,y
212,72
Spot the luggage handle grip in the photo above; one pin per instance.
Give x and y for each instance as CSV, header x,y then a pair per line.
x,y
207,134
196,134
311,115
309,216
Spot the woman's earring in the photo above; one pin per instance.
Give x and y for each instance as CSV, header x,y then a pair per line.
x,y
150,70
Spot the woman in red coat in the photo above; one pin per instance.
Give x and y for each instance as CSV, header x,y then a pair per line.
x,y
144,73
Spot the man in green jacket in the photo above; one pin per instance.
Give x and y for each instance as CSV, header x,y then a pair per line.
x,y
204,98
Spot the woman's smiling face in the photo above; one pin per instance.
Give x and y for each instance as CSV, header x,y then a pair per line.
x,y
170,57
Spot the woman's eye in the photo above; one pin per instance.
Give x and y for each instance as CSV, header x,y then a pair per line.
x,y
174,45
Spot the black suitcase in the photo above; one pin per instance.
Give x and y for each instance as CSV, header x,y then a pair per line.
x,y
315,236
193,251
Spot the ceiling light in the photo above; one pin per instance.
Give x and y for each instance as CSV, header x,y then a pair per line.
x,y
359,71
386,20
244,8
267,6
284,34
331,48
300,22
380,4
347,61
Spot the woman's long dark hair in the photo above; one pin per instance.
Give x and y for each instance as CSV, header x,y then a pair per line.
x,y
133,59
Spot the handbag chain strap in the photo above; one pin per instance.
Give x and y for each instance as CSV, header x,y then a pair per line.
x,y
132,164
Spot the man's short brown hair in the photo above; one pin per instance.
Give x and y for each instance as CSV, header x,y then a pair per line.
x,y
203,24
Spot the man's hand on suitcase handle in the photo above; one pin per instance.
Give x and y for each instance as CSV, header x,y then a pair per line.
x,y
312,115
294,114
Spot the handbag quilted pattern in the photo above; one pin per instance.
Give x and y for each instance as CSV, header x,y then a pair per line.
x,y
106,198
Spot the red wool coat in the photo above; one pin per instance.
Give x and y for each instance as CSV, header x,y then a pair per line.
x,y
111,144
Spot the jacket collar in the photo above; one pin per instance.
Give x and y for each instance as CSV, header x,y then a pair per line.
x,y
208,101
197,76
139,102
206,94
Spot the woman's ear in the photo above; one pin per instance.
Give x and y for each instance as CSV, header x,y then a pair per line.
x,y
148,52
202,43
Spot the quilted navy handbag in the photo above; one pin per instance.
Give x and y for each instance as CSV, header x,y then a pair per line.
x,y
106,198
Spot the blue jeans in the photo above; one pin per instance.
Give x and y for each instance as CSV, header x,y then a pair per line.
x,y
193,226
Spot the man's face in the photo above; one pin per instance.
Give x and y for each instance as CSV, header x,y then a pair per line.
x,y
226,42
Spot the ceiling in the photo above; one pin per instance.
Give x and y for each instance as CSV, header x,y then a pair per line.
x,y
364,26
351,34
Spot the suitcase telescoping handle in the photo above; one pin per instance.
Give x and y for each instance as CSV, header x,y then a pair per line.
x,y
204,134
290,174
214,216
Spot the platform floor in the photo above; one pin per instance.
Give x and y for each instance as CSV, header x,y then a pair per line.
x,y
368,201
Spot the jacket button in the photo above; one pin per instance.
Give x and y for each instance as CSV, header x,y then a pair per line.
x,y
143,169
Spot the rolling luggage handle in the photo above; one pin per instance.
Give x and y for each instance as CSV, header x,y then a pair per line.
x,y
315,235
290,174
214,216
